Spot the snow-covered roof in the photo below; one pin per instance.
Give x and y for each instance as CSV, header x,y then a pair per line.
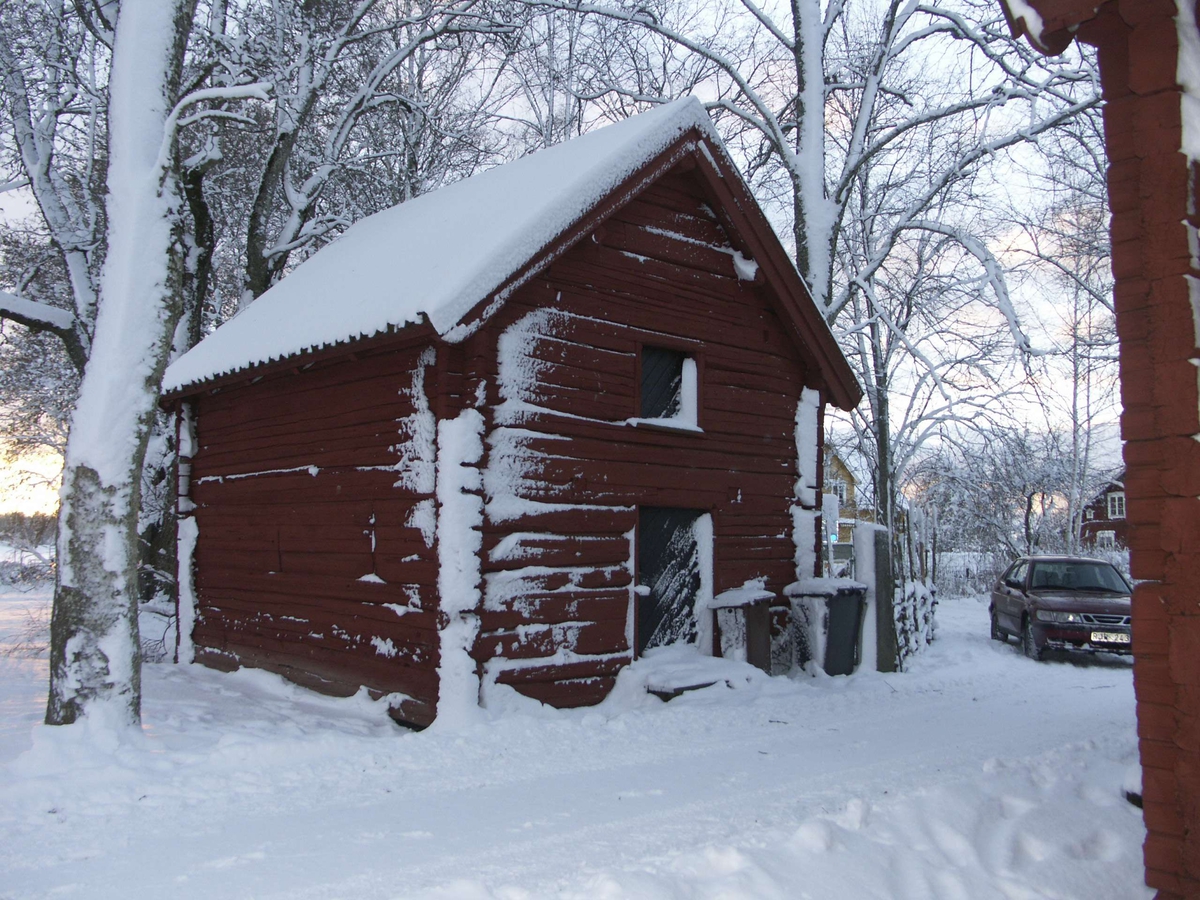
x,y
439,255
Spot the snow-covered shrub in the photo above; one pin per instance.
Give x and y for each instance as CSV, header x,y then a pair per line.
x,y
26,548
1118,557
965,573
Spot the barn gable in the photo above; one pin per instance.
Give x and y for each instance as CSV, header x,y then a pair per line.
x,y
572,467
467,499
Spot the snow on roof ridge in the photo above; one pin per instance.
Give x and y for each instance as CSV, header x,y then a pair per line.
x,y
440,254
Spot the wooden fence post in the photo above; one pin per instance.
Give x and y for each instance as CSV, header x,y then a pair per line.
x,y
885,619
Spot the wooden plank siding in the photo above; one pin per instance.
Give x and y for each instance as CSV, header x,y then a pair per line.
x,y
296,486
561,372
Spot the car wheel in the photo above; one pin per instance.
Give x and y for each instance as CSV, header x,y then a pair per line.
x,y
1028,644
997,634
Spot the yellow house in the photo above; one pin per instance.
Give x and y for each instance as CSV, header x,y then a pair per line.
x,y
839,481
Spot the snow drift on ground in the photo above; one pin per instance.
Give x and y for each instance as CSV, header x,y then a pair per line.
x,y
978,774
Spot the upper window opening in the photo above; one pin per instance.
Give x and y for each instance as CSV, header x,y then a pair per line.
x,y
838,487
1116,505
669,386
662,383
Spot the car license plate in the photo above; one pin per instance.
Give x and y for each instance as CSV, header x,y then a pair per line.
x,y
1109,637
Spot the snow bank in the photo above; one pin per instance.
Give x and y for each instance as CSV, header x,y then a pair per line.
x,y
678,667
437,256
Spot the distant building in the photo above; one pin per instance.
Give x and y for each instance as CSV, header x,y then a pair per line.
x,y
1104,523
841,482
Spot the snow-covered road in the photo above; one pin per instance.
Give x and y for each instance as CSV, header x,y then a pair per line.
x,y
978,774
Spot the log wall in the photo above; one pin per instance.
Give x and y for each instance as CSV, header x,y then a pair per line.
x,y
315,558
565,473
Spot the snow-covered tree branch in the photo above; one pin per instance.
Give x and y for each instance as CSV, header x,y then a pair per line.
x,y
44,317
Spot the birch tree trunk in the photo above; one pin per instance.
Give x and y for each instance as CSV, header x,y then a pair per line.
x,y
94,652
814,219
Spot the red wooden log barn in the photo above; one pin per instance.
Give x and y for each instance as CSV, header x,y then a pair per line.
x,y
421,463
1149,53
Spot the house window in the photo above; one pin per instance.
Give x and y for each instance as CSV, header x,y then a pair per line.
x,y
838,487
1106,540
669,388
1116,505
1089,514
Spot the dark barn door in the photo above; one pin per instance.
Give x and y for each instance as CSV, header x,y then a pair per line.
x,y
669,565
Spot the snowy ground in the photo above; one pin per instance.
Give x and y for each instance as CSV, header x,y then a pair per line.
x,y
979,774
24,616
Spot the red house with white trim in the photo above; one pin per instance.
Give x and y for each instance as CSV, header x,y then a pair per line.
x,y
1104,524
515,431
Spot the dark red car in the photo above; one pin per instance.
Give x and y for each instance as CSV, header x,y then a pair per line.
x,y
1062,603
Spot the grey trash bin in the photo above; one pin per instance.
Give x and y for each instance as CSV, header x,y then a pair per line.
x,y
827,620
843,641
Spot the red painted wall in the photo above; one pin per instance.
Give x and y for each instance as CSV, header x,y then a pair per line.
x,y
297,499
1152,193
659,272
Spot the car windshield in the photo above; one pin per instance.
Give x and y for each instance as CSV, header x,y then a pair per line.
x,y
1078,576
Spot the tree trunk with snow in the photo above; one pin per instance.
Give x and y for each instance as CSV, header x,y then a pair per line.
x,y
813,223
94,654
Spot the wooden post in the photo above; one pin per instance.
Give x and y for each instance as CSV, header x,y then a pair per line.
x,y
885,619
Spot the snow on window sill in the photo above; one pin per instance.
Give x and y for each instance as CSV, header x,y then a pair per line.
x,y
665,424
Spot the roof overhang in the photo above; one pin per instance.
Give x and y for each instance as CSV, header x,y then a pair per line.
x,y
1049,25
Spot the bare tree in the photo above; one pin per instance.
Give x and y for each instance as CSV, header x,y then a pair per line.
x,y
124,254
1000,491
335,67
1060,247
868,126
54,70
375,102
38,381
